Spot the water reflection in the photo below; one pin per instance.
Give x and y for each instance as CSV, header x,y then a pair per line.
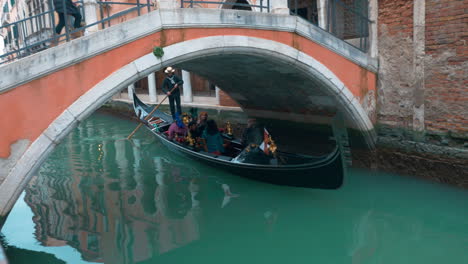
x,y
121,202
117,221
114,206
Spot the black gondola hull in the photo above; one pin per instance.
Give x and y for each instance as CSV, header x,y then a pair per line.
x,y
323,176
325,172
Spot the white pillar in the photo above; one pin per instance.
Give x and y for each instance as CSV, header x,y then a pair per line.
x,y
279,6
90,9
130,90
322,13
217,95
188,98
153,97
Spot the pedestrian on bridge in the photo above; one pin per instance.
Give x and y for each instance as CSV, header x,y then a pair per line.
x,y
172,81
72,10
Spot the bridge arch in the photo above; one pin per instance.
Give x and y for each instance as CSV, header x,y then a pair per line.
x,y
185,54
65,84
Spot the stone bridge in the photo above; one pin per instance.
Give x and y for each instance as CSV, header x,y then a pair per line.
x,y
271,64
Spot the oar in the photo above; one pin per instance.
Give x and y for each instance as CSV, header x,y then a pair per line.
x,y
149,115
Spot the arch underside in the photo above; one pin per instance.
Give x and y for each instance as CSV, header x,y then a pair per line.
x,y
259,82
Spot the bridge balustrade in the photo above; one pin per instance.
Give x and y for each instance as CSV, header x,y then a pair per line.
x,y
346,19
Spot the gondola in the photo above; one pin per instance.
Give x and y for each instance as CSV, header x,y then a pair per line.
x,y
321,172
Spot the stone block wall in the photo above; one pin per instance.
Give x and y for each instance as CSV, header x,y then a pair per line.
x,y
423,69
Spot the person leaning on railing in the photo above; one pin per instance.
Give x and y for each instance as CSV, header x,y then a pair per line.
x,y
71,9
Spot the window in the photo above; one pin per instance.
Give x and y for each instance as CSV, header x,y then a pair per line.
x,y
5,8
348,19
12,2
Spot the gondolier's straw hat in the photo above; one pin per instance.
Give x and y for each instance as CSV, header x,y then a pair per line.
x,y
169,69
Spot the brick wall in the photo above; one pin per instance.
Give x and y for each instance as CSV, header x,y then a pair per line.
x,y
446,68
199,84
225,100
395,91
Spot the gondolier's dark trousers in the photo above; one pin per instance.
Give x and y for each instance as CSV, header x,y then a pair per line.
x,y
175,99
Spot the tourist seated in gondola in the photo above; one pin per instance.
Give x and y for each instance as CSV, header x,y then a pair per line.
x,y
193,138
201,122
252,134
212,137
177,130
186,118
193,130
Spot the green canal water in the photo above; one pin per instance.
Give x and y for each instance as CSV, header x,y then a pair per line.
x,y
101,199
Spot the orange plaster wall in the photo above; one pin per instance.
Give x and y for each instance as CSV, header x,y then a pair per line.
x,y
28,109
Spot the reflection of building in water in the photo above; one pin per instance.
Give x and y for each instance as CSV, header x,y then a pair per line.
x,y
104,206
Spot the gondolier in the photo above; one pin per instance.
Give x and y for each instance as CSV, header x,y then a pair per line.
x,y
170,82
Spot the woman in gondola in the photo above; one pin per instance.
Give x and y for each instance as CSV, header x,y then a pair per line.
x,y
213,140
201,122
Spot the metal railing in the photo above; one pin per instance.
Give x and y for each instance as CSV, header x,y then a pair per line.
x,y
261,6
350,22
37,32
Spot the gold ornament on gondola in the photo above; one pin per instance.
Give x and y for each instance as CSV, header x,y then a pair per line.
x,y
272,144
189,139
228,128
